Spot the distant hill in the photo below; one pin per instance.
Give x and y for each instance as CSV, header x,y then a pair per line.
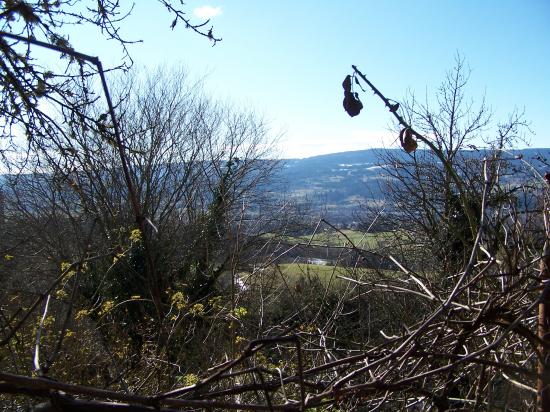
x,y
335,184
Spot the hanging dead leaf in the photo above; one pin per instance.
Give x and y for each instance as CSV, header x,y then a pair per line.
x,y
407,139
352,104
346,84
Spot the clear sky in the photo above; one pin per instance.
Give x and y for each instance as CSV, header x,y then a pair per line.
x,y
287,59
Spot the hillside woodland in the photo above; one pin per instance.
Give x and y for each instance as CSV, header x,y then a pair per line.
x,y
151,258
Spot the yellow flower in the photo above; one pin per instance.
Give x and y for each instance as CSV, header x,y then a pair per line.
x,y
197,309
61,294
65,266
190,379
106,307
178,300
135,235
81,314
48,321
8,257
240,312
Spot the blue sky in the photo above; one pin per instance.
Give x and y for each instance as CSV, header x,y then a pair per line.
x,y
286,59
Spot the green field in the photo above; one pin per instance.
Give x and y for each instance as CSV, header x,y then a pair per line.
x,y
346,237
329,273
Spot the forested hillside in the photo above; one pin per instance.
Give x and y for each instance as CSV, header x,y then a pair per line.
x,y
337,186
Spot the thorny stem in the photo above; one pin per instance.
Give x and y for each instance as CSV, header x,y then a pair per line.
x,y
438,152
